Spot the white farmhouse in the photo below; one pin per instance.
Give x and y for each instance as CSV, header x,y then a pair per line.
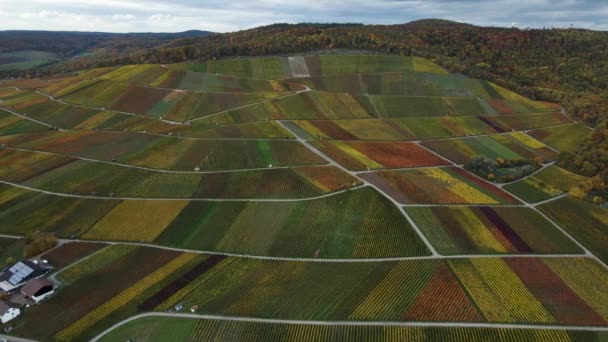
x,y
8,313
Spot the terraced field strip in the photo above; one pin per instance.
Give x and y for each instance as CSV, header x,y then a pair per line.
x,y
165,105
210,115
358,156
547,183
162,153
564,138
81,177
507,146
438,186
586,222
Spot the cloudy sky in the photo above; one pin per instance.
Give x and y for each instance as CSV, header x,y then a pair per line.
x,y
232,15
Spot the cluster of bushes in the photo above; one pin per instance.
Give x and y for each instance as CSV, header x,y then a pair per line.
x,y
593,190
37,243
502,170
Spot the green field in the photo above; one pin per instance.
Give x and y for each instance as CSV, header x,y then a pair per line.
x,y
11,124
175,105
27,59
65,175
550,182
309,105
564,138
11,250
370,227
507,146
584,221
269,68
157,76
169,153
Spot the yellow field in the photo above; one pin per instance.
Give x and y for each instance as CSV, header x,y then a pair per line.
x,y
136,221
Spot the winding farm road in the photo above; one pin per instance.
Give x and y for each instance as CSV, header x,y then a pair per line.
x,y
14,338
316,260
183,198
347,323
159,170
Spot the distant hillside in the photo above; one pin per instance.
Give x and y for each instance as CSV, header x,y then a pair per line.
x,y
69,44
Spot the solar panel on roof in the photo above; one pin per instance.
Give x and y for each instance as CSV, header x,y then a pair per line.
x,y
19,272
14,280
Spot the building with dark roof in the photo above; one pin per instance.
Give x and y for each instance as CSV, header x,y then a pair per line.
x,y
38,289
20,273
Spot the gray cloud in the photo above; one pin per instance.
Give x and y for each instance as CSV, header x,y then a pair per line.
x,y
223,16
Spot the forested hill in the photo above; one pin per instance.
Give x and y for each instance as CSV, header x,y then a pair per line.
x,y
551,64
72,43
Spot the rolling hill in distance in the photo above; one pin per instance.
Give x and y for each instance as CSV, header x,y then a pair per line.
x,y
430,181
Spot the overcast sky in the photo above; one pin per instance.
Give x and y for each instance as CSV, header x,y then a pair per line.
x,y
232,15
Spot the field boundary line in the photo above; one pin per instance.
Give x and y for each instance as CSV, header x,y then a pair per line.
x,y
248,105
318,260
190,90
52,98
26,118
159,170
123,198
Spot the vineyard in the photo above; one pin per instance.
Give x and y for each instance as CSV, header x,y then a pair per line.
x,y
438,186
586,222
521,290
169,153
484,290
425,128
259,194
487,230
155,329
359,156
505,146
550,182
564,138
